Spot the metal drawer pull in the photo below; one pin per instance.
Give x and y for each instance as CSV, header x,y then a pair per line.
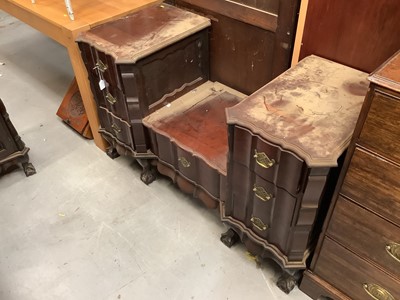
x,y
184,162
116,128
263,160
258,224
110,98
394,250
102,67
376,292
261,193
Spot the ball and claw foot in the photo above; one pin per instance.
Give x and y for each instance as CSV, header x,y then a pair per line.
x,y
112,152
287,282
29,169
229,238
148,175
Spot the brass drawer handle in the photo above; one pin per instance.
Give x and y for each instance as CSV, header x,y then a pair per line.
x,y
184,162
110,98
261,193
263,160
258,224
376,292
116,128
394,250
102,67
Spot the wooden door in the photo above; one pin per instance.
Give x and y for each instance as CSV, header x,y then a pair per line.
x,y
251,41
358,33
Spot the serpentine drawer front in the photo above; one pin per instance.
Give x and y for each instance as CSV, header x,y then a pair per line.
x,y
285,141
142,62
365,214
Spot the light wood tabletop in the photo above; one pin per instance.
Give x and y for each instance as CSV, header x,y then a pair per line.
x,y
51,18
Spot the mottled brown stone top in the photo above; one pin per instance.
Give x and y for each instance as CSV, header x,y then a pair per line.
x,y
388,74
144,32
310,109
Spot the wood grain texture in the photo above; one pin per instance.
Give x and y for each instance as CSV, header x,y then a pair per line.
x,y
381,131
348,272
373,183
244,56
364,233
360,34
388,75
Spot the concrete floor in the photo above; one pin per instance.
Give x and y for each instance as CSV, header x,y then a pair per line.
x,y
85,226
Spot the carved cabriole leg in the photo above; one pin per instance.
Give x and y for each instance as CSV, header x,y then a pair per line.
x,y
230,238
287,282
29,169
112,152
149,173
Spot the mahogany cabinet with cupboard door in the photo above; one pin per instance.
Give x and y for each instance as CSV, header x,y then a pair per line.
x,y
358,253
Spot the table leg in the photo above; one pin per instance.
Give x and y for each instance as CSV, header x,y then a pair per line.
x,y
86,93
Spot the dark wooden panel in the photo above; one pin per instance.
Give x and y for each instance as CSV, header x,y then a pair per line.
x,y
317,288
358,33
244,56
364,233
337,266
265,5
381,131
264,18
171,72
374,183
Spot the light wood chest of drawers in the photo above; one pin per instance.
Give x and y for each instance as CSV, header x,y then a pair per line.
x,y
358,255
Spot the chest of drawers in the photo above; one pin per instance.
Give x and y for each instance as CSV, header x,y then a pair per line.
x,y
358,254
139,64
285,145
12,148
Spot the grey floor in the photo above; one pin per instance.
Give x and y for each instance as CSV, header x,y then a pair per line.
x,y
85,227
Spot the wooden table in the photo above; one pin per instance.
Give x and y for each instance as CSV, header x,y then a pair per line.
x,y
50,17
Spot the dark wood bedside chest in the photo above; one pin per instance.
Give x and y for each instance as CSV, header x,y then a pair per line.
x,y
285,144
137,65
12,148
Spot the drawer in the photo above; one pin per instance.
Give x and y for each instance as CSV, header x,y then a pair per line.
x,y
366,234
381,131
116,127
114,101
268,161
261,206
354,276
191,167
374,183
99,65
186,163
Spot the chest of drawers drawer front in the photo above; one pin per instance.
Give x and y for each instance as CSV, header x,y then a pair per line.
x,y
116,127
366,234
261,206
374,183
336,264
267,160
100,65
381,130
191,167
